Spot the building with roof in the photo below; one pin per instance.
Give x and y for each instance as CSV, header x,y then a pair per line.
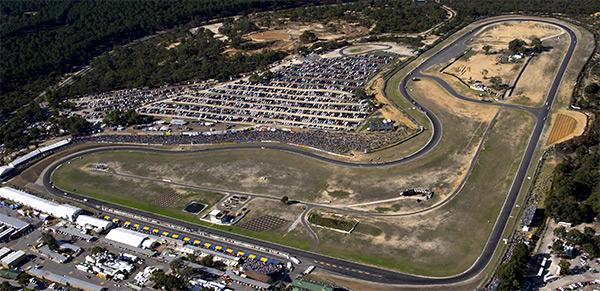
x,y
46,252
65,280
64,211
248,281
5,171
228,259
129,237
71,231
4,251
11,227
96,224
13,259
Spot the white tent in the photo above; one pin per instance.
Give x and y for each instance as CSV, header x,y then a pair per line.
x,y
127,237
5,170
96,223
64,211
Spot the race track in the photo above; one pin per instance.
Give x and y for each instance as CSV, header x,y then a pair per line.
x,y
357,270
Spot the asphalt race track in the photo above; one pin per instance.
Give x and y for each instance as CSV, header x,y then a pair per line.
x,y
353,269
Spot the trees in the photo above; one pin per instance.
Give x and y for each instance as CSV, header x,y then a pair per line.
x,y
497,83
565,267
574,196
207,261
574,237
64,35
536,45
591,249
5,286
120,117
75,125
558,247
308,36
517,46
560,232
167,281
592,89
511,273
179,267
49,240
23,279
149,63
285,200
98,249
237,27
360,94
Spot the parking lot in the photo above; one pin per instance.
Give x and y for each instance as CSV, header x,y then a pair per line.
x,y
317,93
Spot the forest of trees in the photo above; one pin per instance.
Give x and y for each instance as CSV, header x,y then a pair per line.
x,y
155,62
511,273
43,39
575,194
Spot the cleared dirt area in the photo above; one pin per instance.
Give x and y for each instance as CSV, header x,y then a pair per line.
x,y
477,66
499,35
375,87
566,124
286,35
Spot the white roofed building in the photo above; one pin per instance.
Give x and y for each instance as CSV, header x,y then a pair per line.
x,y
13,259
98,225
4,170
64,211
127,237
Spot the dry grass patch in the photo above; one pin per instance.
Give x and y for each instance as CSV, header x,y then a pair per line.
x,y
388,110
431,90
533,86
566,124
481,67
499,35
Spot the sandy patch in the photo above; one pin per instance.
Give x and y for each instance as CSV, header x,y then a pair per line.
x,y
391,47
270,35
173,45
260,206
214,28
